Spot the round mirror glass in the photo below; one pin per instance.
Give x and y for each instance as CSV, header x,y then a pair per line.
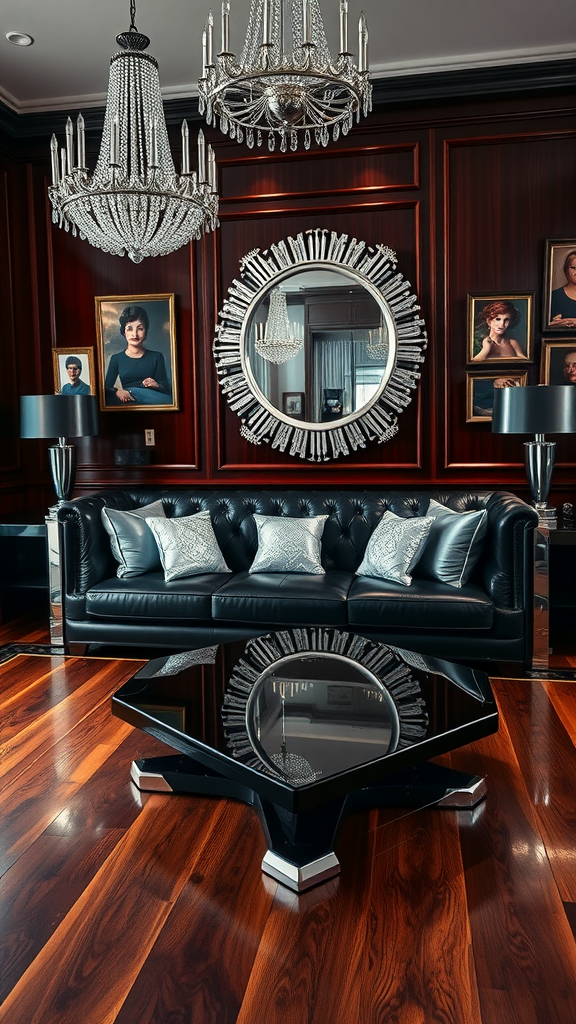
x,y
319,345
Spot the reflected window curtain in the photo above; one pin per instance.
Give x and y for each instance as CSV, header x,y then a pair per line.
x,y
333,368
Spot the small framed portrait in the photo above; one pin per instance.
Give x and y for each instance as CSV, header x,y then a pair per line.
x,y
74,371
480,392
500,327
558,362
559,306
293,404
136,352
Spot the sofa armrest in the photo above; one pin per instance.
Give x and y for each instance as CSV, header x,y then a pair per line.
x,y
506,567
85,550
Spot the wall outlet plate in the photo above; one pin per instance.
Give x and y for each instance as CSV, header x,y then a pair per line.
x,y
149,437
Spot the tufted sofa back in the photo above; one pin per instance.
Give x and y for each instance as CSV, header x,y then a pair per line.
x,y
353,515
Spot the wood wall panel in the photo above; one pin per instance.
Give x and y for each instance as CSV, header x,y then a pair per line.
x,y
466,190
510,192
395,224
382,168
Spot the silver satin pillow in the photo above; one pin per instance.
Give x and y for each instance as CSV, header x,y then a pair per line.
x,y
187,546
394,548
289,545
454,545
131,541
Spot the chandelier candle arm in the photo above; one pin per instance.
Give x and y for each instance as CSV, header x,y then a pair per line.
x,y
266,24
185,148
81,143
306,23
210,40
362,44
225,26
343,26
69,146
54,160
201,157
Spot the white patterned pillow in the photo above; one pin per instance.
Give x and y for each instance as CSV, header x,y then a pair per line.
x,y
289,545
394,548
187,546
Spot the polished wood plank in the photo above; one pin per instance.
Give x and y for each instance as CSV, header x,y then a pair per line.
x,y
121,907
547,757
338,959
87,967
216,926
521,938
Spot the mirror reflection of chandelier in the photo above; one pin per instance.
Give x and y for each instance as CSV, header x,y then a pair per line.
x,y
377,345
134,203
275,91
278,340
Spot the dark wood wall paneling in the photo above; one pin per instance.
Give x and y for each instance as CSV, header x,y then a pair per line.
x,y
466,190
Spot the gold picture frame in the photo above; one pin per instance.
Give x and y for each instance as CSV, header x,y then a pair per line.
x,y
553,362
480,392
74,371
559,310
125,325
515,343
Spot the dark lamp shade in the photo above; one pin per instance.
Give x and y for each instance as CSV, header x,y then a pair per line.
x,y
540,409
58,416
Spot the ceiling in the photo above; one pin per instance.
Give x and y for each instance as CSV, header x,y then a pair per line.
x,y
67,65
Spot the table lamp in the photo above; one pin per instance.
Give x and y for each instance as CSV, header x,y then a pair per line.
x,y
60,416
539,410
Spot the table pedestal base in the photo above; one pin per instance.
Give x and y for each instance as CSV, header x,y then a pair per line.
x,y
301,844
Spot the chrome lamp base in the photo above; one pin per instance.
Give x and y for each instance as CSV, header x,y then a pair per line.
x,y
539,458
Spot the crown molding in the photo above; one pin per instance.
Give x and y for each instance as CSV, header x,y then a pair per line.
x,y
531,77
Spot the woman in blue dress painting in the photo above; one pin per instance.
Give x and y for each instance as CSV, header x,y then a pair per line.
x,y
563,302
137,375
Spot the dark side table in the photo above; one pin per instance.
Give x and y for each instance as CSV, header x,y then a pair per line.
x,y
23,565
554,589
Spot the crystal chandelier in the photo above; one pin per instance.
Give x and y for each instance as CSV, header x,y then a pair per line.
x,y
377,346
278,340
134,203
273,92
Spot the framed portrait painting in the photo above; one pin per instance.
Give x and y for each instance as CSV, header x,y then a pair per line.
x,y
74,371
480,393
500,327
559,304
558,363
136,352
293,404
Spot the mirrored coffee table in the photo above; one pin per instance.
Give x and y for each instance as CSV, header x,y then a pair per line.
x,y
307,726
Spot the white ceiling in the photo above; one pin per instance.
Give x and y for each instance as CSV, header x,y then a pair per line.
x,y
67,66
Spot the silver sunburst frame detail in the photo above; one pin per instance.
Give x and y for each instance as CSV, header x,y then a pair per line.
x,y
274,95
374,267
134,203
392,682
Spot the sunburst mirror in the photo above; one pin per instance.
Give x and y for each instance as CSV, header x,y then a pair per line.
x,y
319,345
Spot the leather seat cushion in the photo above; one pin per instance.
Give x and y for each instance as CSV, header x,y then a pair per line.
x,y
283,598
150,597
424,604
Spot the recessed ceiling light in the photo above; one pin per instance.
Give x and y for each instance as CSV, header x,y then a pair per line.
x,y
19,38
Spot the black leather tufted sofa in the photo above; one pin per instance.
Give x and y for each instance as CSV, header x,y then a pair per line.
x,y
489,618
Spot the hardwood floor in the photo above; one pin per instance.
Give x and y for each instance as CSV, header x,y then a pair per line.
x,y
118,906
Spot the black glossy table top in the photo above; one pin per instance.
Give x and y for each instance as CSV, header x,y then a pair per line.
x,y
308,709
